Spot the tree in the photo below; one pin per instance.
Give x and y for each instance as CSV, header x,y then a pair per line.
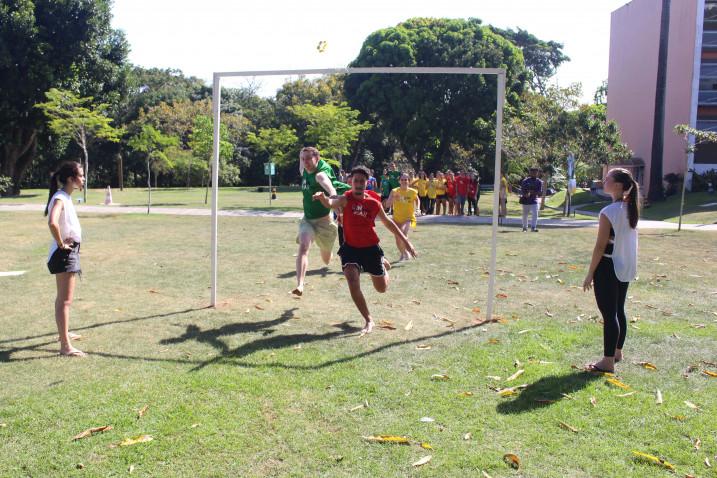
x,y
693,137
278,143
427,113
48,44
542,58
76,118
332,128
600,97
201,141
154,145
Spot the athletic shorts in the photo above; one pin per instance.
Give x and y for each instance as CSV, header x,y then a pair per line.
x,y
368,259
323,231
65,261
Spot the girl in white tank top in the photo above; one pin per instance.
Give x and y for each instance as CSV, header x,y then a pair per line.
x,y
63,259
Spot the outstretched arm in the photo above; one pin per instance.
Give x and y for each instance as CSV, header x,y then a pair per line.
x,y
326,184
330,202
389,201
391,226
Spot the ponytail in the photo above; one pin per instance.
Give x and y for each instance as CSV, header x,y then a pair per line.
x,y
630,195
65,171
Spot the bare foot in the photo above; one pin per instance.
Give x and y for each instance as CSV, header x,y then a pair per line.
x,y
367,328
299,291
386,263
73,352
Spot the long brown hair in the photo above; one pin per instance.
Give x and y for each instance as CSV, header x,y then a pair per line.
x,y
630,193
65,171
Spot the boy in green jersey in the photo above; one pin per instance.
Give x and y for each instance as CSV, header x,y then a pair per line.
x,y
317,224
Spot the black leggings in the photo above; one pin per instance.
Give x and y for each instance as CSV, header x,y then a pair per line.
x,y
610,295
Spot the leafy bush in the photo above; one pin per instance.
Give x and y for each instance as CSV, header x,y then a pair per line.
x,y
700,181
5,183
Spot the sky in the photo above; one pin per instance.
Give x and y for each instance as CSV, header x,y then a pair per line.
x,y
200,38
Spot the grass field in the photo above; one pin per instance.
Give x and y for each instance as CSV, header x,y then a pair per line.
x,y
269,385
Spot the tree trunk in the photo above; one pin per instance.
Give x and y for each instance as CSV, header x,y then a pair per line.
x,y
17,155
189,172
149,187
120,172
86,166
209,180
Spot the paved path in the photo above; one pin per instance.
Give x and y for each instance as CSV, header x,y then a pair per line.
x,y
565,222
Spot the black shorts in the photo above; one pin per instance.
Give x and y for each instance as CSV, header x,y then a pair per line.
x,y
65,261
368,259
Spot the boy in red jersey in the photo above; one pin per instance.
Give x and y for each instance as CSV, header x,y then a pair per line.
x,y
360,251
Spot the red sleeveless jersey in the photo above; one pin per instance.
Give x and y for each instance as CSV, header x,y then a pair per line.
x,y
359,217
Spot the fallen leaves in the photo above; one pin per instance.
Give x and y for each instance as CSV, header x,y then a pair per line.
x,y
709,373
512,460
359,407
510,391
515,375
644,457
386,325
617,383
658,397
136,440
408,326
391,439
422,461
423,347
440,377
91,431
593,401
141,412
501,295
692,405
647,365
570,428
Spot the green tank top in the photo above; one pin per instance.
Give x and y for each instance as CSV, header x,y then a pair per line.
x,y
309,186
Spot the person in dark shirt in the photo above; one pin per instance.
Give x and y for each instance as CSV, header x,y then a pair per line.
x,y
531,188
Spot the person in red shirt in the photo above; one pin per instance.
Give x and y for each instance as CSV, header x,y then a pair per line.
x,y
360,251
451,192
462,183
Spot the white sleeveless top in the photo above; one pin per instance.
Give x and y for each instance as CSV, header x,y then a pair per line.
x,y
70,228
624,252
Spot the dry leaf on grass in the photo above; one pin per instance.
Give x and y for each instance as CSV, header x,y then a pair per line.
x,y
426,446
658,397
475,310
653,460
153,291
387,325
501,296
493,341
91,431
423,347
485,474
593,402
467,436
691,405
628,394
359,407
130,470
465,394
392,439
408,326
565,426
422,461
440,377
707,462
427,420
515,375
697,443
647,365
142,411
512,460
618,383
135,440
709,373
258,307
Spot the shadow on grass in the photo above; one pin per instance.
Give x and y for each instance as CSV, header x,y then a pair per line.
x,y
547,391
323,272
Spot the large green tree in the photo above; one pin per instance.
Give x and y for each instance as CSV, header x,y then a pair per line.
x,y
51,43
78,119
428,113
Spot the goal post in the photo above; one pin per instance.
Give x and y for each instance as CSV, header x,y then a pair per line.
x,y
500,100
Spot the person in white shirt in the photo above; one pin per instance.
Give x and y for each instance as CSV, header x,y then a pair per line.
x,y
614,263
63,259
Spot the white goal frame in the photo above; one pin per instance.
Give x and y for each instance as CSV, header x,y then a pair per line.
x,y
500,100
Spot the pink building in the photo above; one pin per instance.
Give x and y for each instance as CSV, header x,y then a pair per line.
x,y
691,89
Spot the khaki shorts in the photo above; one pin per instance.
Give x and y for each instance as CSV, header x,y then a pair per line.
x,y
323,231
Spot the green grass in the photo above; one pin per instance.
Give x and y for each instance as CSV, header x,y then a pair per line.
x,y
265,384
668,210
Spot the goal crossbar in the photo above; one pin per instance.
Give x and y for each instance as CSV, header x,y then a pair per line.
x,y
500,100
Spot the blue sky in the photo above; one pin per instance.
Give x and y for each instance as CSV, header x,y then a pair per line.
x,y
231,35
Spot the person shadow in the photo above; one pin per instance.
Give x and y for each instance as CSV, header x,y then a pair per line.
x,y
547,391
266,328
322,272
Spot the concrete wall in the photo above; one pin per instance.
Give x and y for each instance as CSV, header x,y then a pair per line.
x,y
632,76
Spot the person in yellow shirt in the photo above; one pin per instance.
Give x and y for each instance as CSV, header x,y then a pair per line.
x,y
431,194
404,201
441,194
503,199
420,184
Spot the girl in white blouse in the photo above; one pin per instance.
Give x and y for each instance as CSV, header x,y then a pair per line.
x,y
64,257
614,263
